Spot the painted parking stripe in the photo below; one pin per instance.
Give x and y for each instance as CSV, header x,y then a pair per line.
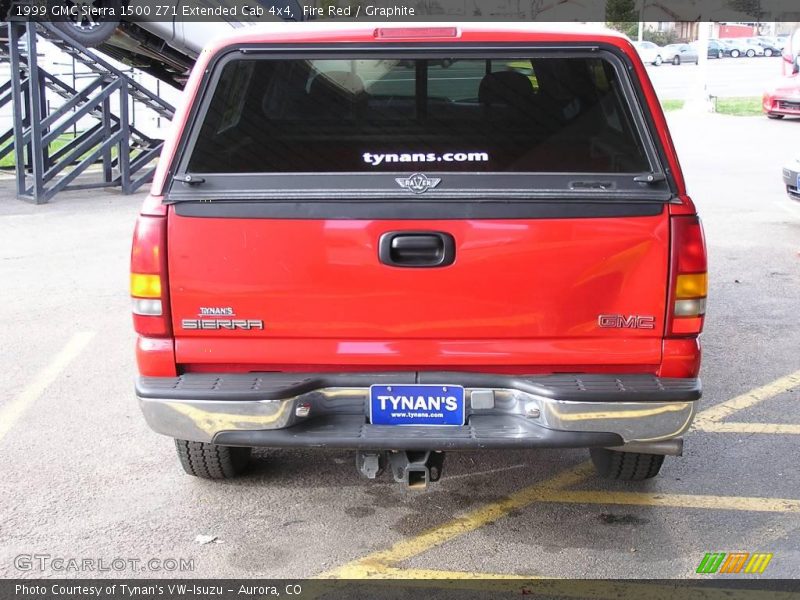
x,y
12,411
720,411
381,563
551,491
737,503
375,570
432,574
771,428
471,521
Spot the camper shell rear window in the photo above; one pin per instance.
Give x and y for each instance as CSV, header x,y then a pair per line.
x,y
517,122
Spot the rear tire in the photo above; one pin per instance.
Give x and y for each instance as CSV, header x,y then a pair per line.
x,y
768,52
89,33
734,53
657,62
625,466
751,53
676,61
210,461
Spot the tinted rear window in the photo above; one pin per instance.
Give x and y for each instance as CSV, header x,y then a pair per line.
x,y
503,115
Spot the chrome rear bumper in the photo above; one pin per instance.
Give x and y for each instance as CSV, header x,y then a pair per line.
x,y
298,410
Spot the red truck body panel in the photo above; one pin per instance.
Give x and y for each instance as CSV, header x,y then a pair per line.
x,y
521,292
524,295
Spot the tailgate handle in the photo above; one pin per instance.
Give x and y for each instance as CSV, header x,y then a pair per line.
x,y
417,249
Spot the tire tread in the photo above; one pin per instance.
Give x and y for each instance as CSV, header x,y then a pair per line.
x,y
210,461
626,466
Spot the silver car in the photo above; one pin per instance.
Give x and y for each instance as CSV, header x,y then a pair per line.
x,y
679,54
741,47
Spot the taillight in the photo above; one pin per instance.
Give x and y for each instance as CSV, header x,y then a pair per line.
x,y
148,277
689,278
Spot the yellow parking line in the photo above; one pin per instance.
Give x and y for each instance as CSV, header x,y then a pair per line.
x,y
358,569
772,428
740,503
379,564
725,409
478,518
386,572
13,410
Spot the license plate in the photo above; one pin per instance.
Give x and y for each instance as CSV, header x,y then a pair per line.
x,y
416,405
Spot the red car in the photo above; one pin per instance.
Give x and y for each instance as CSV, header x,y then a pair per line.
x,y
342,252
783,99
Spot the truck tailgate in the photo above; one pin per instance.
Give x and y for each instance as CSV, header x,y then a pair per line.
x,y
526,292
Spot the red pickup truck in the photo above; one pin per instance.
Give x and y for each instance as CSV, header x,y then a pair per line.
x,y
411,240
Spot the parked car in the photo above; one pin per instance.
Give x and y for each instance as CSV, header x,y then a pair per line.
x,y
774,41
741,47
359,306
650,53
717,49
770,49
791,178
783,98
680,54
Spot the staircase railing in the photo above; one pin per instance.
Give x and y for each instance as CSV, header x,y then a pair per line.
x,y
125,154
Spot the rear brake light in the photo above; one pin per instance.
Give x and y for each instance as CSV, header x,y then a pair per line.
x,y
148,277
689,277
394,33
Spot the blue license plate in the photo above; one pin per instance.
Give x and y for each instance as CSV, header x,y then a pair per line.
x,y
416,405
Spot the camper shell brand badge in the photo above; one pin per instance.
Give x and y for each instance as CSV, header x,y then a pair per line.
x,y
419,183
216,311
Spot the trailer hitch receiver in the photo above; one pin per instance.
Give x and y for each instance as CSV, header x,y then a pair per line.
x,y
416,469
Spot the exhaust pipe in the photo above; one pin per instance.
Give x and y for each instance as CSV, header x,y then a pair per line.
x,y
672,447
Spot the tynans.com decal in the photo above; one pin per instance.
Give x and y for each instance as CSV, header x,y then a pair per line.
x,y
375,159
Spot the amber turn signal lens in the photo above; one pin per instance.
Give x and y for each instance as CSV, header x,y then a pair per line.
x,y
694,285
145,286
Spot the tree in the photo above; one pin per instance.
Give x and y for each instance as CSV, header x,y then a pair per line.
x,y
748,7
661,38
623,16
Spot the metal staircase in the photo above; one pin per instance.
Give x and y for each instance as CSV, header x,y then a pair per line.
x,y
126,155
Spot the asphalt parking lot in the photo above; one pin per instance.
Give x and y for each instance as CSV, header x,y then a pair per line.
x,y
83,477
728,77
